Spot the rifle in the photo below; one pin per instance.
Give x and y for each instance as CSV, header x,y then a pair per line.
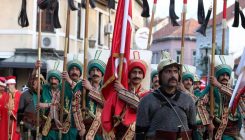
x,y
151,24
10,109
211,92
183,32
85,53
224,26
39,70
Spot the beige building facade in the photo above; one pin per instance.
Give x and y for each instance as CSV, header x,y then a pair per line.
x,y
14,38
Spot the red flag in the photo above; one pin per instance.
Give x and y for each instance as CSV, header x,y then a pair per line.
x,y
240,84
236,100
120,45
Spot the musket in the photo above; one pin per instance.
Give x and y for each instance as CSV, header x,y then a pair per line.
x,y
242,18
151,24
109,23
211,92
200,12
39,70
23,18
172,14
8,123
203,27
145,12
183,31
85,54
224,27
9,114
236,14
64,66
10,109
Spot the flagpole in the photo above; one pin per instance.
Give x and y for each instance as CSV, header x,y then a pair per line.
x,y
213,58
123,39
183,31
65,66
151,24
39,69
109,33
85,53
224,26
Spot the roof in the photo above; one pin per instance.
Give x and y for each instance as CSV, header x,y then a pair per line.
x,y
26,58
229,13
176,31
155,22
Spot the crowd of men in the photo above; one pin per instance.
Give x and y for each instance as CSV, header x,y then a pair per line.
x,y
175,106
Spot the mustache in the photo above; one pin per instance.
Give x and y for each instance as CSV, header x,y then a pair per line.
x,y
95,76
136,78
74,74
189,83
172,79
157,81
54,84
224,80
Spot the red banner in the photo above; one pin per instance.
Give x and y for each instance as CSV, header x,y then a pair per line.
x,y
120,45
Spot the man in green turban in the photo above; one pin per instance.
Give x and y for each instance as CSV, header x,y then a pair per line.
x,y
94,101
154,80
49,103
197,86
226,125
72,100
202,115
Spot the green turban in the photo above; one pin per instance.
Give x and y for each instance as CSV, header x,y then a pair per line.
x,y
54,73
74,63
98,64
187,75
220,69
153,73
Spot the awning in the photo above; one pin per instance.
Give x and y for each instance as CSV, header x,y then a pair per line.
x,y
26,58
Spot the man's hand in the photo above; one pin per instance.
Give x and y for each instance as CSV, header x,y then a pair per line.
x,y
181,87
86,84
66,77
42,106
214,82
17,129
38,64
118,86
10,105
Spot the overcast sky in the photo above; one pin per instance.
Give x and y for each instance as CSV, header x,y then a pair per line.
x,y
162,11
163,7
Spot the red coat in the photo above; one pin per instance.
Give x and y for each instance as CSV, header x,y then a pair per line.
x,y
130,115
4,116
13,121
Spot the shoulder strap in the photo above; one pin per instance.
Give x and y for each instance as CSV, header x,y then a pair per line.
x,y
163,103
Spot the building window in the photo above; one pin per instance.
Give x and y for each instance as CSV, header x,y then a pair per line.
x,y
194,57
178,53
100,30
47,21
